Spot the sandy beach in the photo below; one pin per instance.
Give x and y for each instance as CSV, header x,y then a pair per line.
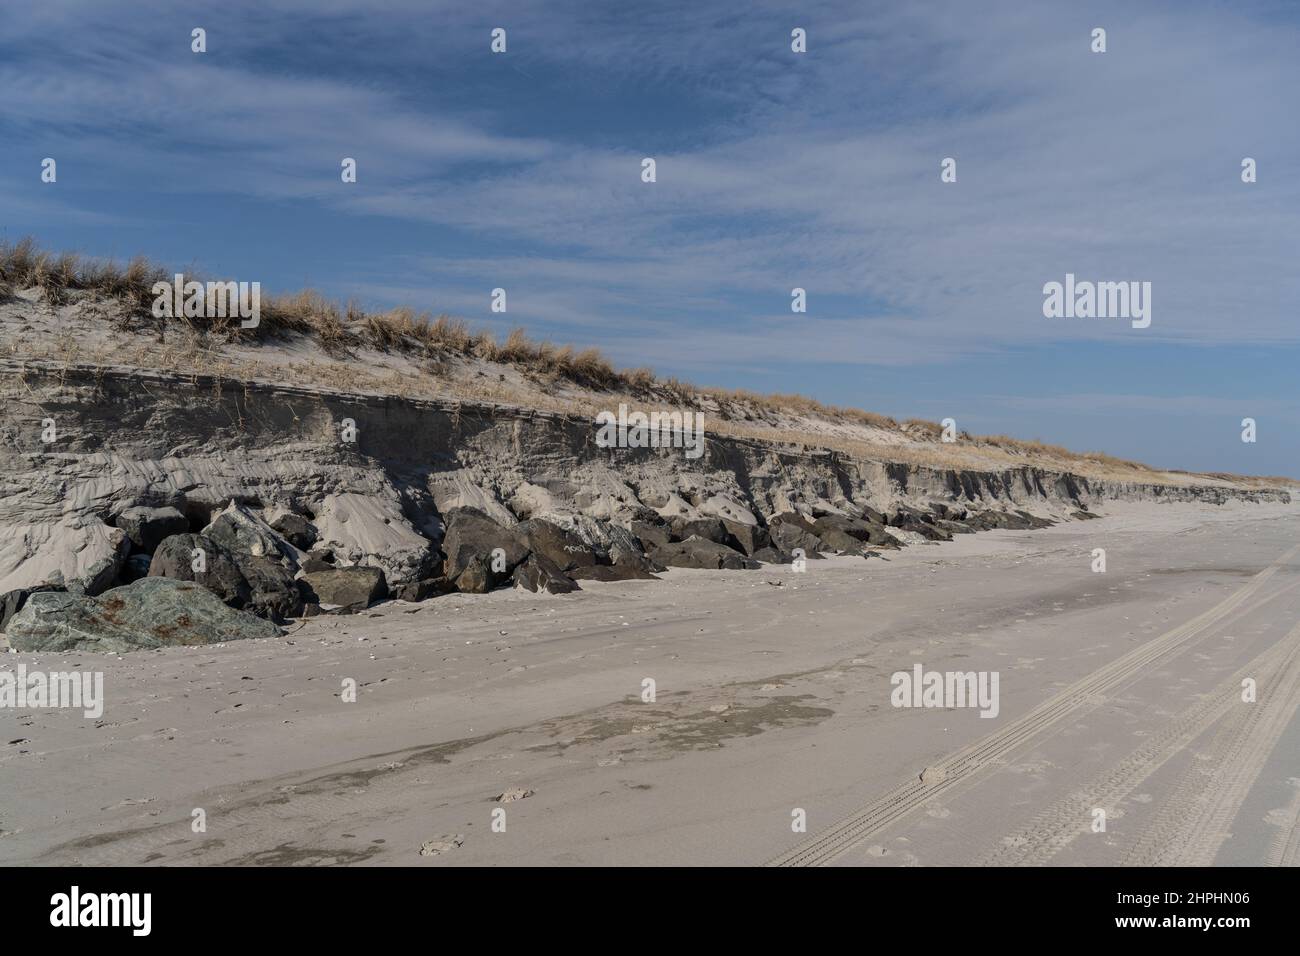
x,y
772,695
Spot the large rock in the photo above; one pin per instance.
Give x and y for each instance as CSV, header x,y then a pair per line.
x,y
1010,520
710,529
239,531
650,535
258,583
701,553
147,527
565,549
149,613
478,578
295,529
100,576
470,542
175,559
748,537
346,590
274,593
626,551
790,530
919,522
540,573
845,533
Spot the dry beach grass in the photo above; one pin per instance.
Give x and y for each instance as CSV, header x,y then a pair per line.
x,y
99,314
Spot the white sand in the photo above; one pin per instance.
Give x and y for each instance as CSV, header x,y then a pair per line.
x,y
768,699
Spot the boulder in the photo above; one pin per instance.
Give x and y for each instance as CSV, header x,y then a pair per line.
x,y
625,550
239,531
273,592
477,578
101,575
747,537
790,530
469,543
149,613
147,527
565,549
919,522
346,590
650,535
258,583
697,552
1010,520
540,573
318,561
836,530
710,529
175,559
295,529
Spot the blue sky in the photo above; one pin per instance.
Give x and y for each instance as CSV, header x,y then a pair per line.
x,y
775,170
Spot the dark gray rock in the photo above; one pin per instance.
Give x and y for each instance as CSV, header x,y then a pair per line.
x,y
650,535
699,552
1009,520
837,530
790,531
746,537
565,549
147,527
273,592
149,613
478,578
469,543
318,561
626,550
101,575
919,522
540,573
295,529
174,559
347,590
239,531
710,529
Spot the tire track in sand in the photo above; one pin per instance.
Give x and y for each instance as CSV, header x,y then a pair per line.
x,y
968,762
1285,848
1058,826
1194,824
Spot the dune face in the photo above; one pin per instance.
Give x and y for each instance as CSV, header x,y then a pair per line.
x,y
372,479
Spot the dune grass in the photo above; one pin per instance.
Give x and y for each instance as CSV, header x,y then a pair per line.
x,y
340,329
